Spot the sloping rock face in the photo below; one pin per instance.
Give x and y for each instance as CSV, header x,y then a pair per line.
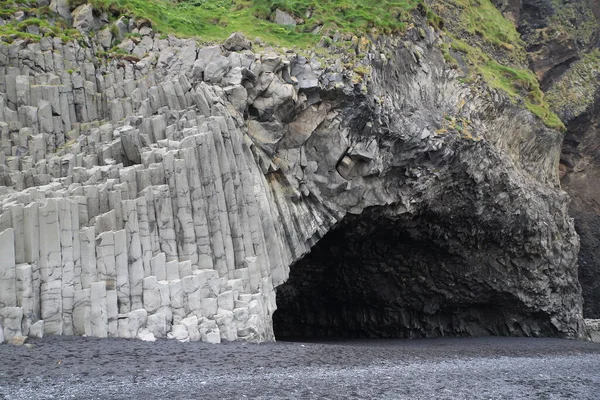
x,y
580,174
450,232
174,195
563,41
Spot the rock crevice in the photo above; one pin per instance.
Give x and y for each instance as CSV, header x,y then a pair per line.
x,y
170,195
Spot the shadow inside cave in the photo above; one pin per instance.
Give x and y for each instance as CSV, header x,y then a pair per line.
x,y
379,277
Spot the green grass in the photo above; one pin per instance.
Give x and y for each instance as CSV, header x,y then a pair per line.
x,y
36,16
217,19
524,84
491,43
574,92
495,51
517,83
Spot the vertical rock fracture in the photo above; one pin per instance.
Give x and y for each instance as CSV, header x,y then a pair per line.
x,y
169,192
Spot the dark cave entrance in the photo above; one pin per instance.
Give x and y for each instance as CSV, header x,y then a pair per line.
x,y
376,277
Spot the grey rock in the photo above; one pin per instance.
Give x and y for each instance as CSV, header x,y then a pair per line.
x,y
19,16
192,193
216,69
237,42
83,18
105,37
37,330
121,28
284,18
132,144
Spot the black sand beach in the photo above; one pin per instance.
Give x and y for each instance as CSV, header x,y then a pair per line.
x,y
466,368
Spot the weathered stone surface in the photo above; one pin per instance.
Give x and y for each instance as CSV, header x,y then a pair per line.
x,y
237,42
10,320
62,8
145,335
284,18
8,280
37,330
18,340
84,19
131,323
594,327
98,311
189,193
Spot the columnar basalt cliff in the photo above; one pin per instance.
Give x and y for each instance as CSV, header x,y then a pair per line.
x,y
188,192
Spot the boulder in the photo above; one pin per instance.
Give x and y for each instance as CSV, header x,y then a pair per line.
x,y
191,324
237,42
36,330
83,18
122,29
10,319
18,340
61,7
105,38
284,18
179,332
145,335
216,69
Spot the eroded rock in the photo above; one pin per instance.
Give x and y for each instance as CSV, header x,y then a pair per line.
x,y
174,195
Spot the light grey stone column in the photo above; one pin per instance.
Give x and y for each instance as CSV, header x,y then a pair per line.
x,y
134,251
89,273
98,310
68,265
25,295
159,267
105,259
11,319
8,278
81,312
112,312
31,234
51,304
50,249
122,268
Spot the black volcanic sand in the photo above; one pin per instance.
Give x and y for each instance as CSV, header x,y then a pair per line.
x,y
466,368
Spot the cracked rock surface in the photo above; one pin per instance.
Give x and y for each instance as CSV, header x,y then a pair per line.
x,y
173,191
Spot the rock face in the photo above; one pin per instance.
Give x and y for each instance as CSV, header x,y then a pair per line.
x,y
174,196
563,41
580,174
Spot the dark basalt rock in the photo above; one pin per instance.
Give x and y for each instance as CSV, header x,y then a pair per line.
x,y
581,172
449,231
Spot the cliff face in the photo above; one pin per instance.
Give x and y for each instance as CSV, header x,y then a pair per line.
x,y
453,228
563,40
190,191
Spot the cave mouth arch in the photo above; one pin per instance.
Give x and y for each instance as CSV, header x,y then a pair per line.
x,y
402,277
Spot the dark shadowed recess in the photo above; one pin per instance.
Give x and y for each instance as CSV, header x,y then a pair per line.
x,y
376,277
580,160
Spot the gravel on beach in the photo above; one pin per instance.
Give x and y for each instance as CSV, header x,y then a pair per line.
x,y
450,368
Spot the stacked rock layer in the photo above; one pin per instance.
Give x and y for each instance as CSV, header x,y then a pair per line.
x,y
168,192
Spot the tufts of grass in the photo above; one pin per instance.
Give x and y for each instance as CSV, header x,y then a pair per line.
x,y
491,43
518,83
217,19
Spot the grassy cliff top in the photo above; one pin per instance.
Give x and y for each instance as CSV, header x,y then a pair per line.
x,y
492,47
216,19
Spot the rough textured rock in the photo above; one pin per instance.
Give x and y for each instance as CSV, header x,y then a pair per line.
x,y
189,193
594,328
284,18
580,173
237,42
